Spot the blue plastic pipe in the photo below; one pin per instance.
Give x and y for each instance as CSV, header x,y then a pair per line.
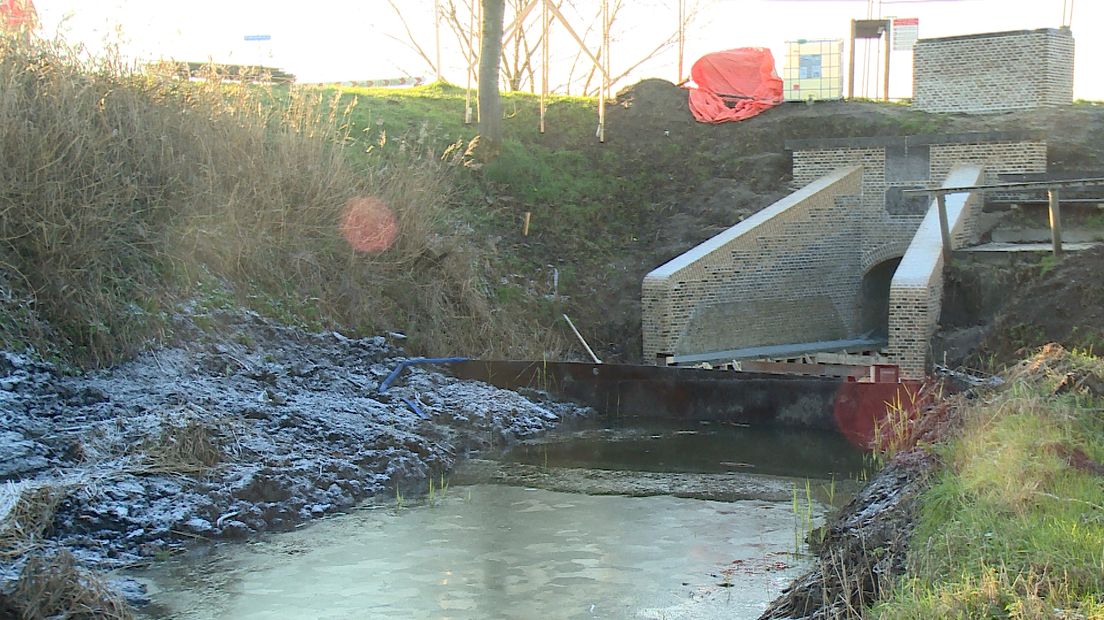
x,y
411,362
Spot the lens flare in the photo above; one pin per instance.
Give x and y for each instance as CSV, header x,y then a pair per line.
x,y
368,225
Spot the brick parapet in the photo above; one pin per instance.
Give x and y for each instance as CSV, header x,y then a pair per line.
x,y
916,291
784,273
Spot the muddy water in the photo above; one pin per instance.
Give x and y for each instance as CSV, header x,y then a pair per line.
x,y
650,445
568,550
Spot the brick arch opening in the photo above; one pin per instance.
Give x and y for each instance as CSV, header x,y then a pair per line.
x,y
874,300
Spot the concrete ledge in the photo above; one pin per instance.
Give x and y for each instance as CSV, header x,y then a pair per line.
x,y
993,35
979,137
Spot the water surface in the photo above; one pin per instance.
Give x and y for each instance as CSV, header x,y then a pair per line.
x,y
488,551
641,444
603,537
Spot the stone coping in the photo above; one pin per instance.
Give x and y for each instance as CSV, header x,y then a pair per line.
x,y
993,35
920,140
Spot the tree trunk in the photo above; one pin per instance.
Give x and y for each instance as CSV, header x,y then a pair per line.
x,y
490,101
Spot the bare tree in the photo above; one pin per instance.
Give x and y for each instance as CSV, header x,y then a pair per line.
x,y
520,55
411,40
589,88
490,101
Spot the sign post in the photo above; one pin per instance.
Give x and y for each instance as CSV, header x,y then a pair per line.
x,y
906,30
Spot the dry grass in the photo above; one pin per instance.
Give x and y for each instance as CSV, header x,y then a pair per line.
x,y
26,513
55,587
124,193
185,447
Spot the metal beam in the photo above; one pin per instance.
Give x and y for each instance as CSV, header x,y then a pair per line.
x,y
1072,183
851,65
781,350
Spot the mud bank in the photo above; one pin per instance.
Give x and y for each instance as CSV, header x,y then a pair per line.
x,y
862,550
248,427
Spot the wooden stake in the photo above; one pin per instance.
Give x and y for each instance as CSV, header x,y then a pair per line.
x,y
1055,222
437,34
525,225
851,66
575,35
518,22
478,20
545,49
681,36
582,340
472,55
604,90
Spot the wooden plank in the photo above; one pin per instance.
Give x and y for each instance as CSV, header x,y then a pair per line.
x,y
1092,182
944,228
817,370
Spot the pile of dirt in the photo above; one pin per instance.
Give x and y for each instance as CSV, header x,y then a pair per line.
x,y
1065,306
246,427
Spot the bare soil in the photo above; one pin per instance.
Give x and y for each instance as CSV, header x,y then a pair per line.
x,y
1065,305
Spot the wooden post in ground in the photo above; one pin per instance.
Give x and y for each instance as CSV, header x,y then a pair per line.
x,y
602,67
944,227
851,66
1055,222
472,63
582,340
475,68
681,36
546,17
437,35
888,52
604,70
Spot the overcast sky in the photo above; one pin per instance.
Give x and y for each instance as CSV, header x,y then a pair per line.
x,y
362,39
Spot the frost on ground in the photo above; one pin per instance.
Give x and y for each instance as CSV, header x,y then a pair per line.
x,y
248,427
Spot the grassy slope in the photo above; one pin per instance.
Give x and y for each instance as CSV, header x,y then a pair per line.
x,y
603,215
1013,526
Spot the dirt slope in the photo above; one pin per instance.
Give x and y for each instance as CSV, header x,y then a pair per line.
x,y
1064,305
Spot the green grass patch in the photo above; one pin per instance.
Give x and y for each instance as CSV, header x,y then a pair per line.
x,y
1013,526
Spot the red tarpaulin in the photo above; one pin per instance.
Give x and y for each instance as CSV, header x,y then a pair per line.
x,y
734,85
17,15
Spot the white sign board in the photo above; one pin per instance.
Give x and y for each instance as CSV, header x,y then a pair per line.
x,y
905,32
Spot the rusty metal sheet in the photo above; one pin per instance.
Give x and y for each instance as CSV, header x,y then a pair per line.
x,y
671,392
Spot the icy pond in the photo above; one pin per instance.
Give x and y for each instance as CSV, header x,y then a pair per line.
x,y
610,522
